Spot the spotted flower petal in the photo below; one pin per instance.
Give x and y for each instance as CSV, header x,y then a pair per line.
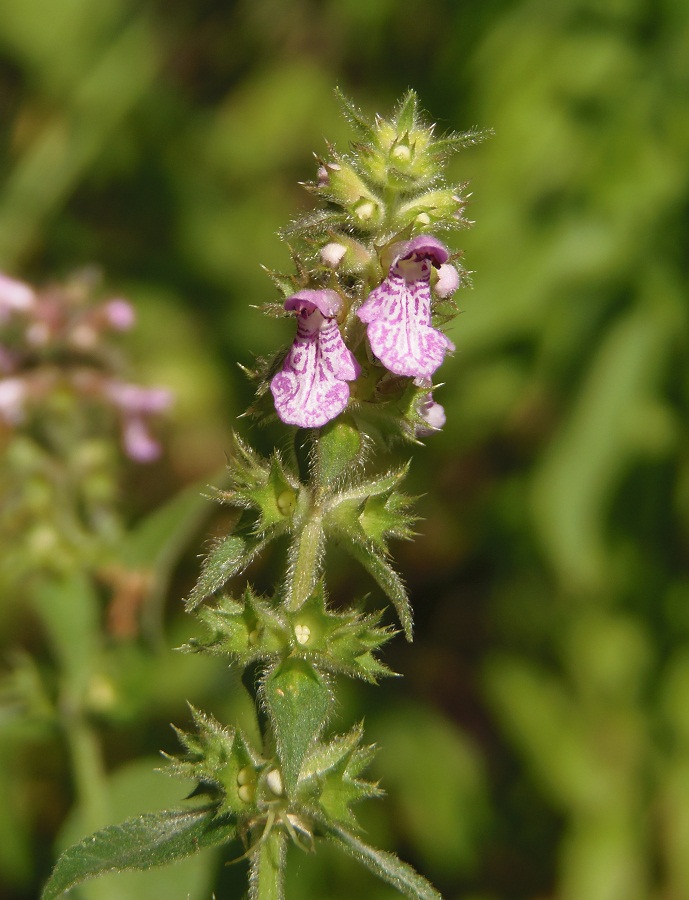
x,y
311,389
398,312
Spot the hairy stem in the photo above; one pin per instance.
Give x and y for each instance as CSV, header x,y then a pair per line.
x,y
304,565
268,868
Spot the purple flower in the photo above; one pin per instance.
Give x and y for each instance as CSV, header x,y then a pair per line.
x,y
135,403
398,312
311,388
119,314
138,443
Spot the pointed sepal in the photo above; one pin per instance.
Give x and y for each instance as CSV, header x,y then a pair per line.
x,y
265,486
247,630
221,761
340,642
330,776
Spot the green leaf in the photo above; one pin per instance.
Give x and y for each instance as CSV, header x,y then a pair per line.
x,y
69,612
298,701
156,544
229,557
385,865
151,840
370,487
384,574
159,539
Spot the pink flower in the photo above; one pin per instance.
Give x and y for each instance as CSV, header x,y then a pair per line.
x,y
398,312
311,389
12,396
138,443
135,403
14,296
119,314
133,399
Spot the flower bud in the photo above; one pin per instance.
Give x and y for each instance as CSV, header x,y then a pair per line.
x,y
331,254
448,281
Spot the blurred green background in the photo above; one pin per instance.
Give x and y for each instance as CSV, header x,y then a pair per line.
x,y
538,745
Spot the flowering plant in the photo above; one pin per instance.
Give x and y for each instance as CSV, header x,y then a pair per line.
x,y
371,290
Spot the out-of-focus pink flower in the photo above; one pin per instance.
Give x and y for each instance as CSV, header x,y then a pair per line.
x,y
135,403
137,400
119,314
12,396
139,445
15,296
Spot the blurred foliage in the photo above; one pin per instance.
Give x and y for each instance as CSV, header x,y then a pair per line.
x,y
163,141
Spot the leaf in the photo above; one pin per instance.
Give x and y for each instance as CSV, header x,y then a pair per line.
x,y
229,557
158,540
386,577
581,468
385,865
69,613
298,701
156,544
369,487
153,839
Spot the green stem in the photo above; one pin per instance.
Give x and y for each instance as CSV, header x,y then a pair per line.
x,y
305,557
268,868
88,772
91,786
69,614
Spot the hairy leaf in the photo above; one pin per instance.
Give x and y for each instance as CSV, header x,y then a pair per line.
x,y
385,865
229,557
386,577
150,840
298,701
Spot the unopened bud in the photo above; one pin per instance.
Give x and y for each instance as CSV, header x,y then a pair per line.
x,y
365,210
448,281
331,254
